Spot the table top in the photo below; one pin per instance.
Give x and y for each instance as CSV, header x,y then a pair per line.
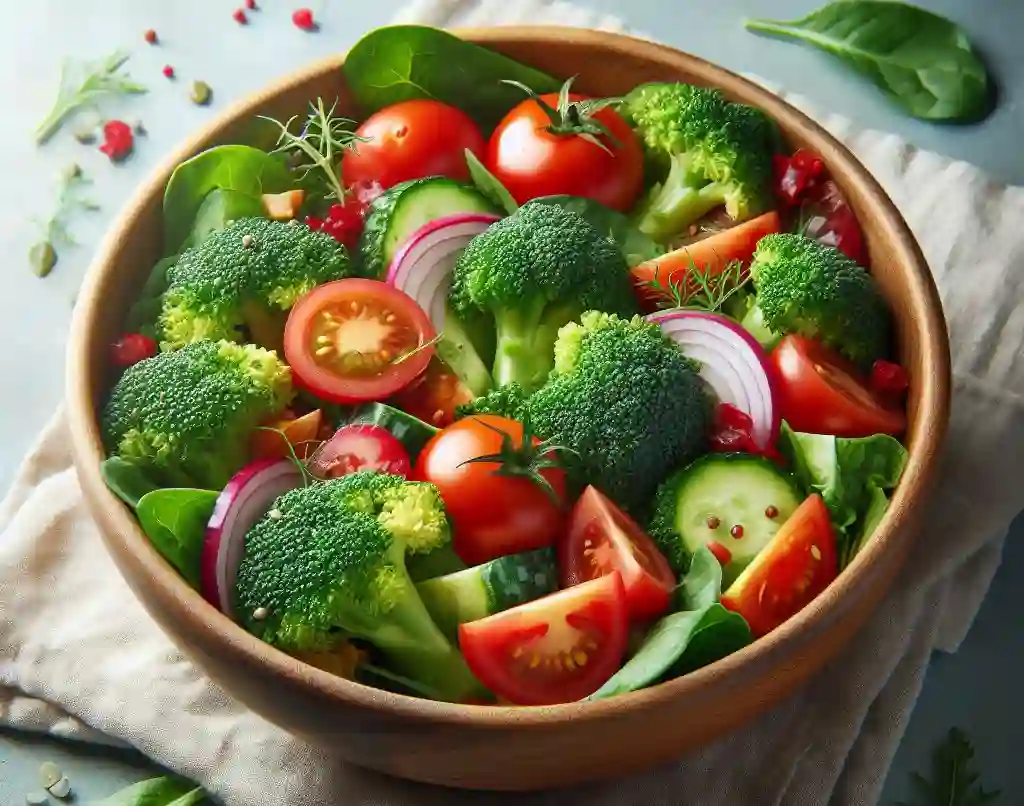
x,y
200,40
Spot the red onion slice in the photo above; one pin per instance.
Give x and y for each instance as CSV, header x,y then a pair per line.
x,y
245,499
733,364
423,266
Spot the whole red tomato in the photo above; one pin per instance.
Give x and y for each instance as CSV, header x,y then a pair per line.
x,y
497,506
541,149
411,140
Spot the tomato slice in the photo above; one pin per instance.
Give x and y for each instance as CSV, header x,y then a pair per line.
x,y
822,393
603,539
355,340
797,565
299,434
360,446
434,397
559,648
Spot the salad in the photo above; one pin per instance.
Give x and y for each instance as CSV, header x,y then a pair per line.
x,y
504,392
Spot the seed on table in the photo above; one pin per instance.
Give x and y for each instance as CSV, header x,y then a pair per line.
x,y
36,799
49,773
61,789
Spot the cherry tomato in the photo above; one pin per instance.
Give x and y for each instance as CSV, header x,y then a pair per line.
x,y
531,160
795,175
888,378
345,340
299,434
493,513
131,348
603,539
821,393
410,140
797,565
434,396
833,222
559,648
360,446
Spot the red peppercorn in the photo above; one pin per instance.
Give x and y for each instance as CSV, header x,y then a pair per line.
x,y
150,36
239,16
250,4
168,71
118,140
303,18
131,348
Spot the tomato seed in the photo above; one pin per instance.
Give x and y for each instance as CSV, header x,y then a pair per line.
x,y
736,531
815,552
771,512
713,522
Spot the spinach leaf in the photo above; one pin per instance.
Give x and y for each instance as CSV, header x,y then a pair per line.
x,y
175,521
166,790
701,633
923,61
126,480
143,314
636,246
488,184
220,207
852,476
239,168
405,62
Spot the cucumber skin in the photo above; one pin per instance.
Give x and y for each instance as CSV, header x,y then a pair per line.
x,y
372,262
411,431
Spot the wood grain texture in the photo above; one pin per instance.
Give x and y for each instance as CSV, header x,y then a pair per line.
x,y
520,748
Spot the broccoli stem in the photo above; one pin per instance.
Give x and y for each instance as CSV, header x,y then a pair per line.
x,y
525,351
753,322
678,202
456,350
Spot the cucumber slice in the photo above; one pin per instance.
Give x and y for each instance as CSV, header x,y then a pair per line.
x,y
736,500
401,210
411,431
484,590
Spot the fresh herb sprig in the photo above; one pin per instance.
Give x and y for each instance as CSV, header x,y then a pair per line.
x,y
317,149
953,781
82,86
699,288
43,254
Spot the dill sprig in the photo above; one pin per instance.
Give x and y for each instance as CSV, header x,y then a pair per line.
x,y
318,146
700,289
43,254
953,781
93,81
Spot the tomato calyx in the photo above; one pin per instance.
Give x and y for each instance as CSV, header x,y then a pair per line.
x,y
525,460
574,118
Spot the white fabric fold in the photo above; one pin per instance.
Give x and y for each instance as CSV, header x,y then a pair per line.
x,y
80,658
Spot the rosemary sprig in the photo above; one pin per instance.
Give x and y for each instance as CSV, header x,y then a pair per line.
x,y
319,145
419,348
700,289
96,80
953,781
43,254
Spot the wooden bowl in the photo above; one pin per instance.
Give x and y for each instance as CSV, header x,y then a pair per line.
x,y
519,748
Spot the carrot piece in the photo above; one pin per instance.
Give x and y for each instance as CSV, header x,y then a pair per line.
x,y
711,255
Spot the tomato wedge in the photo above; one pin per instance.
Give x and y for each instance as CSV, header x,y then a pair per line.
x,y
603,539
820,392
797,565
299,434
360,446
559,648
710,255
355,340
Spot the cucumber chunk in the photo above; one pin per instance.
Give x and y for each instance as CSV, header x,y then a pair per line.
x,y
411,431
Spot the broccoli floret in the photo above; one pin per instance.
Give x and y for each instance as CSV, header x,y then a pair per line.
x,y
248,274
328,563
661,526
804,286
187,416
533,272
709,152
504,401
627,400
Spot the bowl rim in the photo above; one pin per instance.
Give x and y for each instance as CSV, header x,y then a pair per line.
x,y
124,538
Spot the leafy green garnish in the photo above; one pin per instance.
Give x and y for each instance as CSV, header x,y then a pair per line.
x,y
699,288
175,521
953,781
95,81
488,184
165,790
126,480
43,254
922,61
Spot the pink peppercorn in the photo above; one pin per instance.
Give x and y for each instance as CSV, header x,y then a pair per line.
x,y
239,16
168,71
303,18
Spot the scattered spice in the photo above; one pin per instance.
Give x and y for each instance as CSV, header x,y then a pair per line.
x,y
771,512
61,789
303,18
168,71
736,531
260,613
275,514
131,348
43,255
251,5
150,36
85,133
239,16
201,93
97,80
49,773
247,241
118,140
713,522
139,128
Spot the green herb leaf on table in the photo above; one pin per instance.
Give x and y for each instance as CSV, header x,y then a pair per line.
x,y
702,632
126,480
165,790
488,184
43,255
405,62
175,521
953,780
923,61
94,81
635,245
239,168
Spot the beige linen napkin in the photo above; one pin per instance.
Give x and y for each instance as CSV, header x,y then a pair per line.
x,y
80,658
